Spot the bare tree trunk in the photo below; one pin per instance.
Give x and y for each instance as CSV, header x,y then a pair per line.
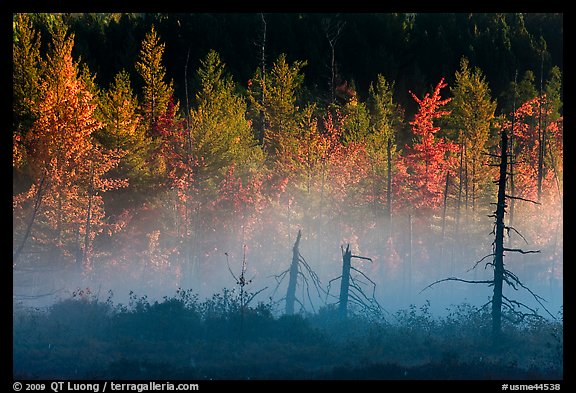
x,y
332,29
291,292
444,215
499,242
511,148
541,135
88,227
459,200
474,181
389,180
37,203
263,70
345,283
410,257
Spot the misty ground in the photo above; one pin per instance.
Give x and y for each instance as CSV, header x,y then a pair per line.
x,y
185,337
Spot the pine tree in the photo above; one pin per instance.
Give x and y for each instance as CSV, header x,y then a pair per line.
x,y
279,89
385,119
221,135
156,91
122,129
26,74
472,111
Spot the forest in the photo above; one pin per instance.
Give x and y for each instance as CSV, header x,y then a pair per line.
x,y
251,195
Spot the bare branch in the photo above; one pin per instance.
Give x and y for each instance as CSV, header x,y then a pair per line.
x,y
230,270
536,297
253,295
330,286
518,233
522,199
477,262
459,280
359,257
29,297
521,251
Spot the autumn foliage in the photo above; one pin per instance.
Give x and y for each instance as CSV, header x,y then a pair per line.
x,y
131,173
422,170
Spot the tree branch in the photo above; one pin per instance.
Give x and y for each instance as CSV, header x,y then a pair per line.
x,y
459,280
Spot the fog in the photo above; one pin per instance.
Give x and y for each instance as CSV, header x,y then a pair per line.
x,y
218,310
404,263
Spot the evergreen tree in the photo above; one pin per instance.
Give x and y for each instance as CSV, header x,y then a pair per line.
x,y
221,135
156,91
280,89
26,74
386,116
472,111
118,111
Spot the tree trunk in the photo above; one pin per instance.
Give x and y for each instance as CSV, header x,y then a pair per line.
x,y
37,203
541,136
345,284
88,226
499,242
291,292
444,216
262,131
511,163
389,180
410,257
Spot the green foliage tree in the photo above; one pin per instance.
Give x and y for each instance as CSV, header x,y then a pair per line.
x,y
280,89
156,91
472,110
123,130
553,89
26,74
221,134
386,117
519,92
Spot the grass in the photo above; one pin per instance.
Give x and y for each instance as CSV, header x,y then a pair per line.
x,y
183,337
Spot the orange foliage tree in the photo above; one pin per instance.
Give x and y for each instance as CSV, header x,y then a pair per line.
x,y
64,202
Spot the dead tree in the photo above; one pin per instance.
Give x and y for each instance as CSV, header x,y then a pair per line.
x,y
245,297
345,283
291,291
299,268
501,274
333,29
350,289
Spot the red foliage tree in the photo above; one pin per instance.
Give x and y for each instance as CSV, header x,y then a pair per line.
x,y
419,182
527,149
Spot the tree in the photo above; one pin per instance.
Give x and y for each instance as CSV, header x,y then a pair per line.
x,y
156,91
350,288
333,29
221,135
122,129
521,91
419,183
472,111
279,89
385,119
214,158
26,74
66,181
299,270
501,274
